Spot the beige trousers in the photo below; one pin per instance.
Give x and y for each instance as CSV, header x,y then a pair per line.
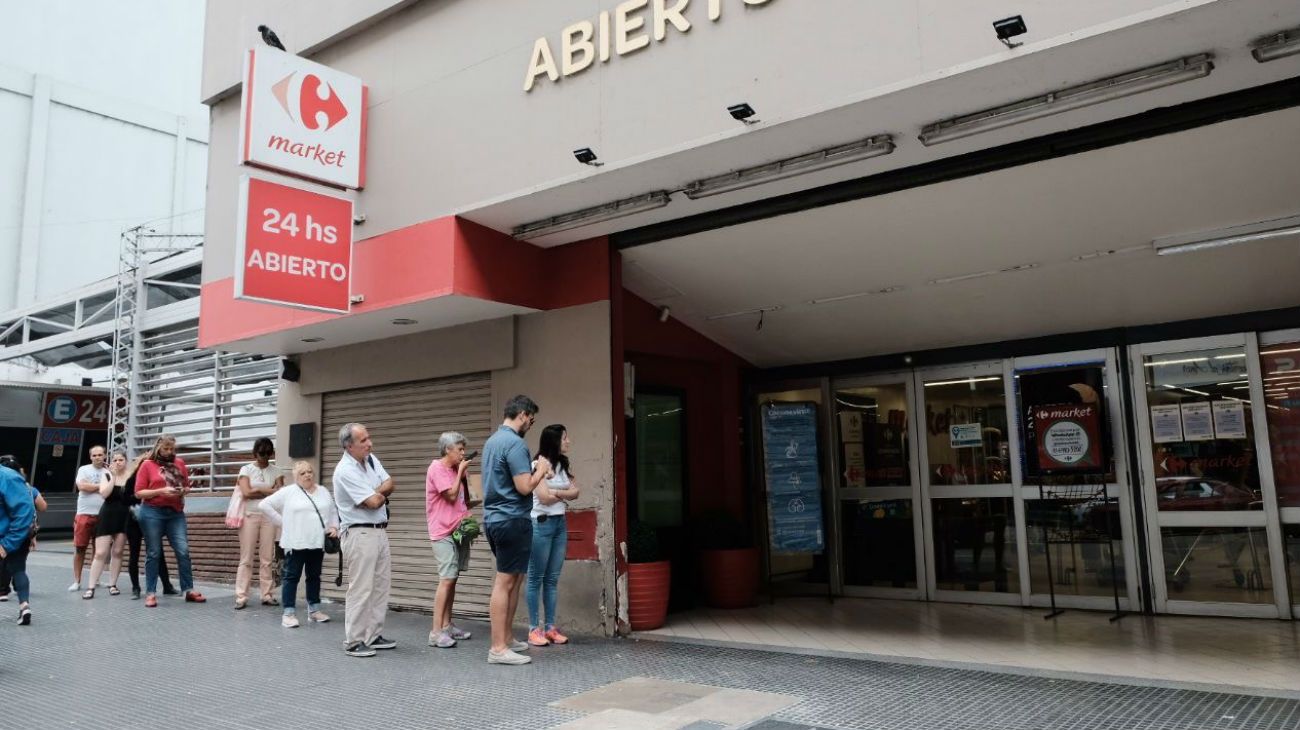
x,y
257,533
370,574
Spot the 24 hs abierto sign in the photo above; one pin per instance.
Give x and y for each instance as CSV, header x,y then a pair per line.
x,y
1069,437
294,246
303,118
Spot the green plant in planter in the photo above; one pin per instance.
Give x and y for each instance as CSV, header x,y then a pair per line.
x,y
720,530
642,543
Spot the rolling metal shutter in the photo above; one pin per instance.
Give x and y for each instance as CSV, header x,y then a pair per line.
x,y
405,421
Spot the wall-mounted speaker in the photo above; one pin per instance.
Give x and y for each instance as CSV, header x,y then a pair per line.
x,y
302,440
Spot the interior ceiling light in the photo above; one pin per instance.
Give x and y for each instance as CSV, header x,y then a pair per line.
x,y
742,313
1261,231
843,297
1075,97
963,381
404,322
1278,45
881,144
591,216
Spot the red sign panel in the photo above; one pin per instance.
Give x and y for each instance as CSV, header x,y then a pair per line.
x,y
1068,437
76,410
294,247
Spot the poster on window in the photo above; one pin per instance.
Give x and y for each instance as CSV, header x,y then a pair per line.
x,y
1166,424
1229,419
793,473
1068,437
1198,424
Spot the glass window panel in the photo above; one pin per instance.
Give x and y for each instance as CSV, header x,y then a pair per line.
x,y
975,545
1064,385
872,425
1217,564
659,464
966,431
879,549
1280,366
1082,532
1203,445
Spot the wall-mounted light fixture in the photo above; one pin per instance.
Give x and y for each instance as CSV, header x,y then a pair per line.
x,y
881,144
742,113
1261,231
591,216
586,156
1075,97
1009,28
1278,45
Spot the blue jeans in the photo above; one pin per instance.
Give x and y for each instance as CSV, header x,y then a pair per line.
x,y
550,543
156,522
294,563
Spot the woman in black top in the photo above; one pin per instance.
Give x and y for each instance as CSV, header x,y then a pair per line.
x,y
110,531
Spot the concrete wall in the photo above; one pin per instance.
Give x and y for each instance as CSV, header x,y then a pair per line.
x,y
560,358
446,84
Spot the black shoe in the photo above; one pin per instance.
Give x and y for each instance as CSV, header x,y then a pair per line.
x,y
25,616
135,594
380,642
359,649
170,591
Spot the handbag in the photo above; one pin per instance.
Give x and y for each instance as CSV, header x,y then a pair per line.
x,y
332,544
235,510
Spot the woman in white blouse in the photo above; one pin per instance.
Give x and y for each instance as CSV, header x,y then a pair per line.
x,y
258,479
305,513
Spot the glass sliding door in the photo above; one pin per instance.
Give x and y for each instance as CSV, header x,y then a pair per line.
x,y
1086,521
1212,510
967,451
876,488
1279,365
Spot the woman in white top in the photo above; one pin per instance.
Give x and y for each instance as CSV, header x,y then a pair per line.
x,y
550,535
257,480
305,513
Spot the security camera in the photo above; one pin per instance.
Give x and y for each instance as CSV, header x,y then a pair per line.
x,y
586,156
358,219
1009,28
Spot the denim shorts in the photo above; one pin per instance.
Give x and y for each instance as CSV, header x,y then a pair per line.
x,y
512,543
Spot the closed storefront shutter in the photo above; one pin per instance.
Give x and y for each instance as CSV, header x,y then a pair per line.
x,y
405,421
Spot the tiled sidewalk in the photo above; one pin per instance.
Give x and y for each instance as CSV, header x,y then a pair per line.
x,y
111,663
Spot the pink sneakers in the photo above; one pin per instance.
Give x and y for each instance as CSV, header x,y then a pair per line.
x,y
537,638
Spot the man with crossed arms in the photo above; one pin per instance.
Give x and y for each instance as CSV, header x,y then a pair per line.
x,y
361,489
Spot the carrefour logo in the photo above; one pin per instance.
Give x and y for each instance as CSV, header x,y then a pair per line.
x,y
309,101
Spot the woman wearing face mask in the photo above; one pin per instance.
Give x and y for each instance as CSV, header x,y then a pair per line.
x,y
110,532
161,484
258,480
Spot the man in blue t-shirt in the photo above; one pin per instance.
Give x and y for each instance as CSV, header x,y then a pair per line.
x,y
509,478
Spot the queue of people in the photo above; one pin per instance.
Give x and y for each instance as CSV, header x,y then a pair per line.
x,y
524,519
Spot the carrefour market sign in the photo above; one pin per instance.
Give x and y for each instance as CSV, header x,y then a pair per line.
x,y
624,30
303,118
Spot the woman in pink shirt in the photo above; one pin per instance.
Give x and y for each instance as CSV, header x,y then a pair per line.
x,y
446,504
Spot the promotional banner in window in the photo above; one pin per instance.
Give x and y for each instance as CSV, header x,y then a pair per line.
x,y
794,488
1068,437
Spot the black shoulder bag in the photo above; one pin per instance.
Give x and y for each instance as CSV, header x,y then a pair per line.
x,y
332,544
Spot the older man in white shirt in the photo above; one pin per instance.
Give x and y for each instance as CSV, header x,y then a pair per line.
x,y
361,489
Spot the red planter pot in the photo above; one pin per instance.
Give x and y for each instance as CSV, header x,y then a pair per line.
x,y
647,594
730,577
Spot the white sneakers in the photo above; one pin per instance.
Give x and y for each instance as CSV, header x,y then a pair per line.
x,y
508,657
290,621
74,587
518,646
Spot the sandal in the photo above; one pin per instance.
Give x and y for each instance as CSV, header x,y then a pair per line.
x,y
89,594
113,591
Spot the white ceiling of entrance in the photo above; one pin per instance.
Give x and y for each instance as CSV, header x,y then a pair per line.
x,y
1054,216
1223,28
